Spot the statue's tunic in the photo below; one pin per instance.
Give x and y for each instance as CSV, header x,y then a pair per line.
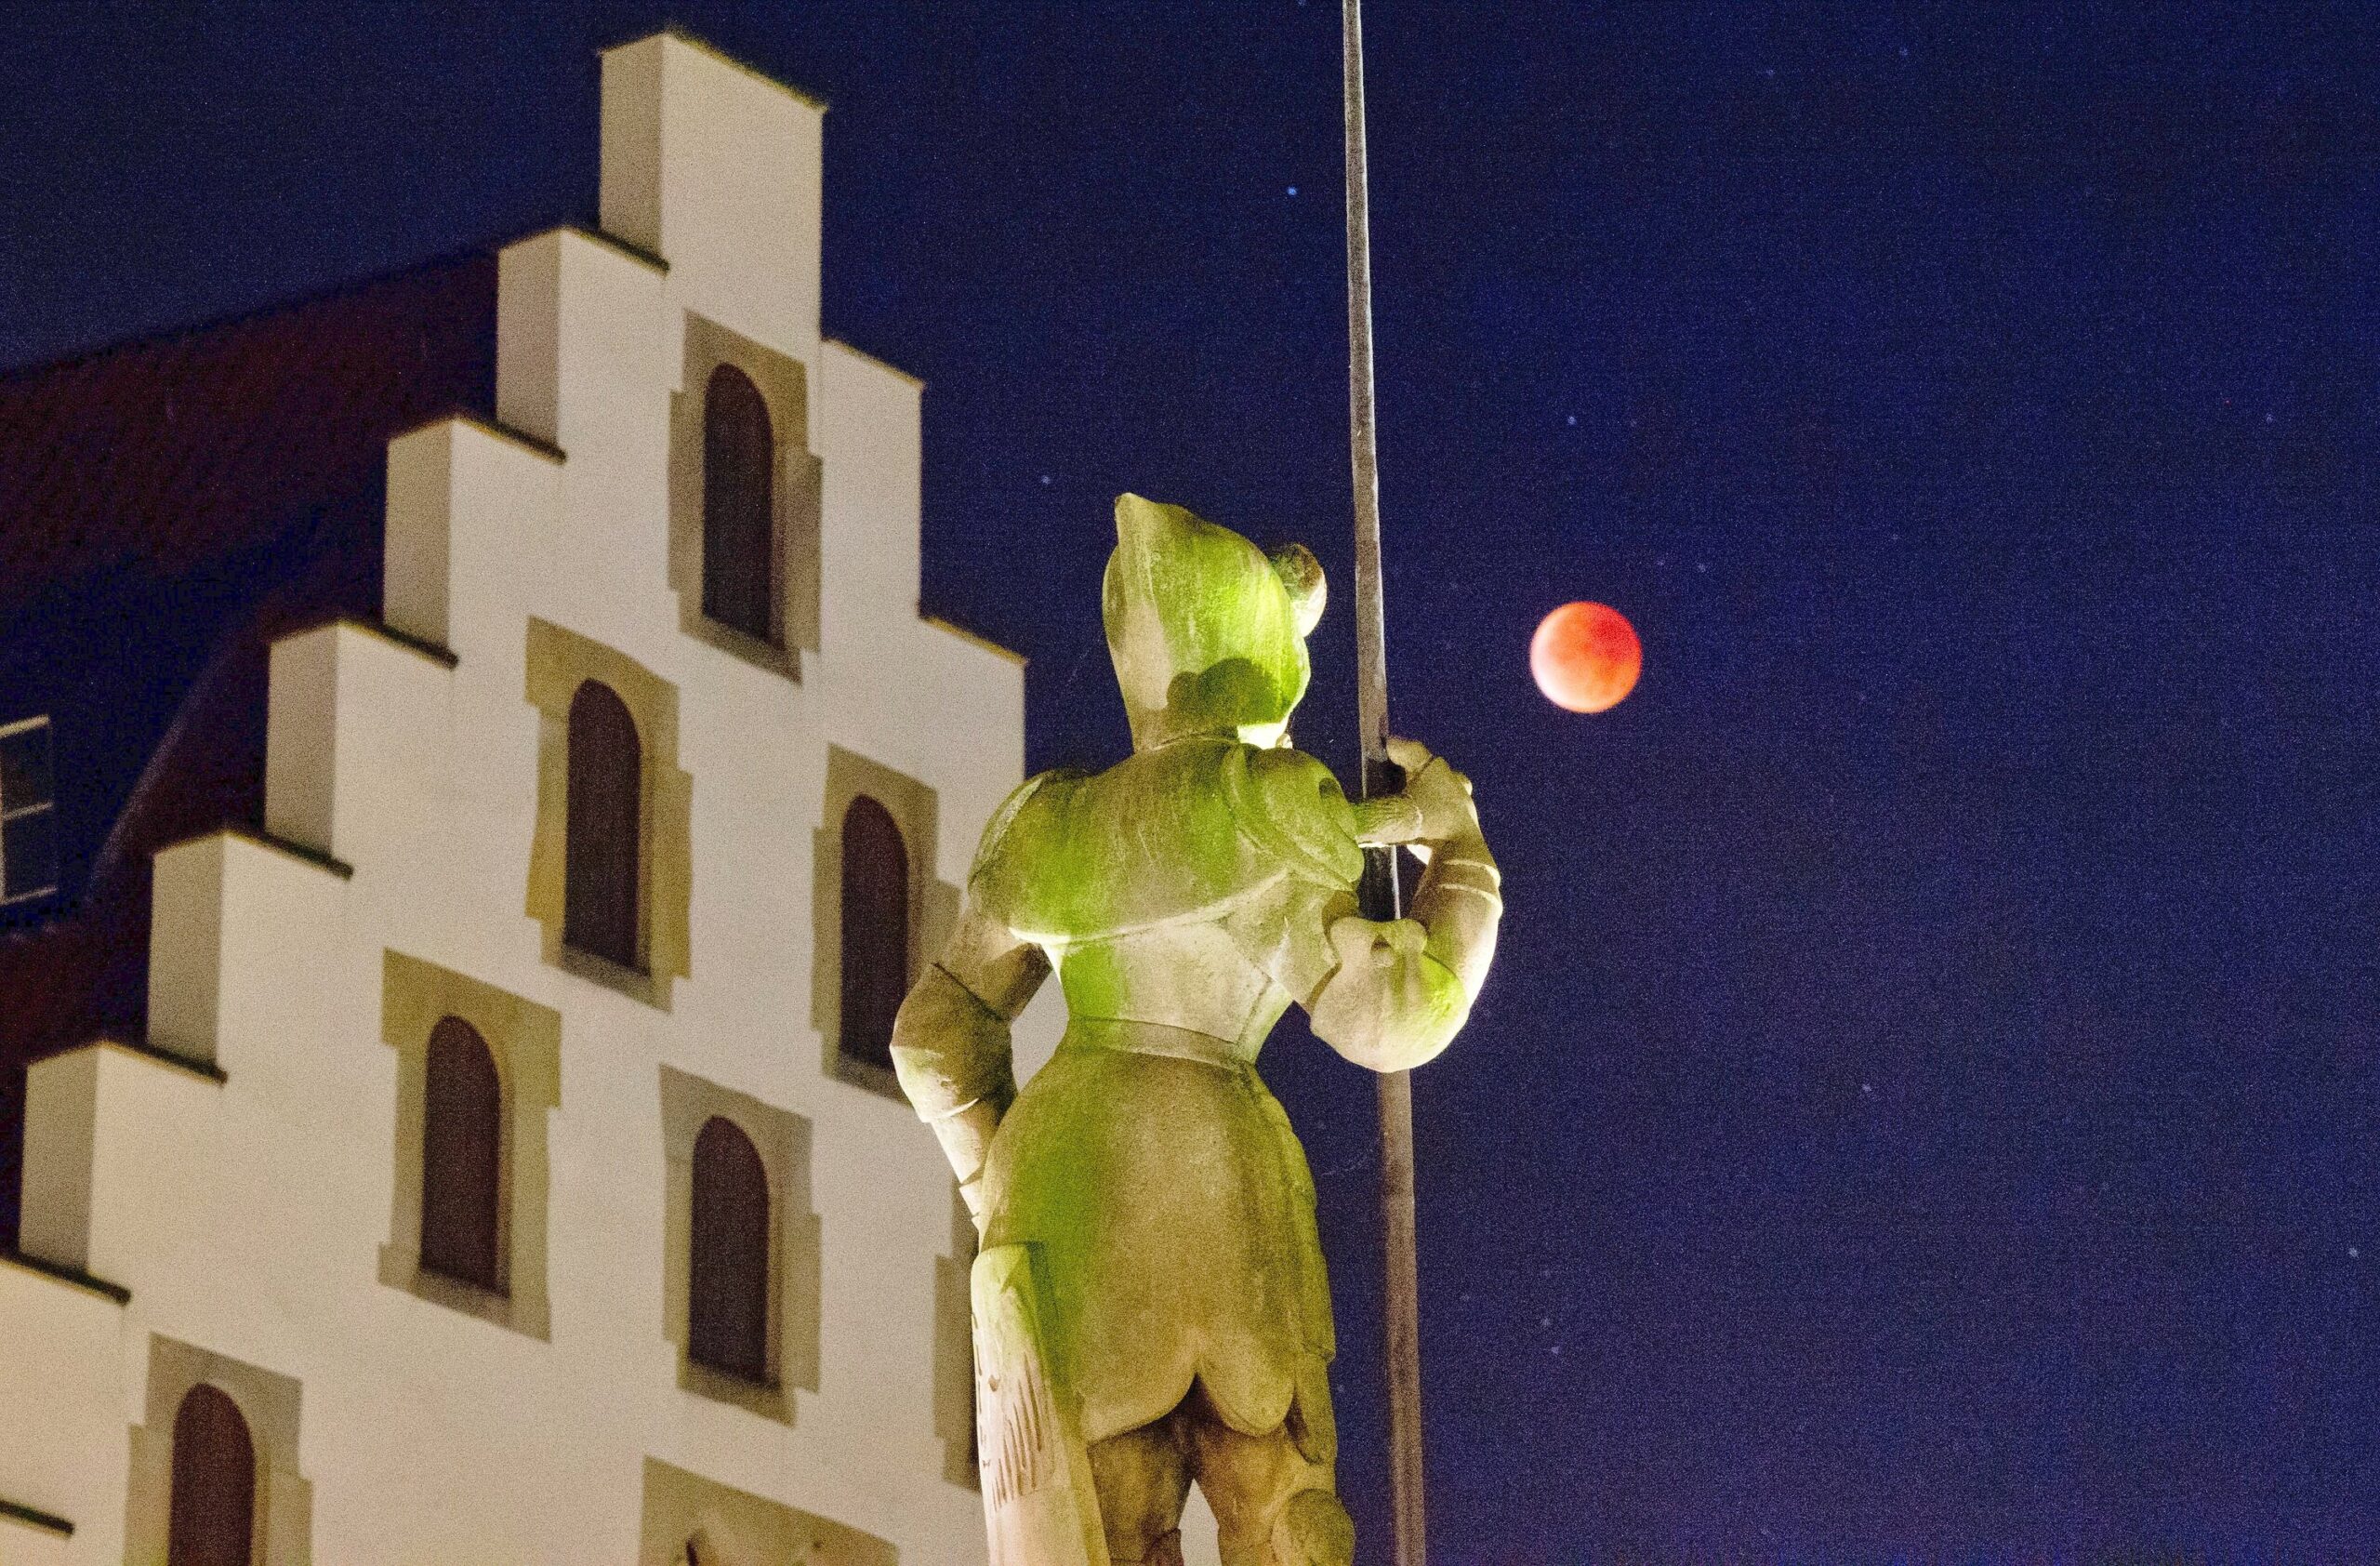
x,y
1173,1205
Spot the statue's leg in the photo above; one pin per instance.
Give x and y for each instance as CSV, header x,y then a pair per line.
x,y
1142,1477
1274,1498
1041,1503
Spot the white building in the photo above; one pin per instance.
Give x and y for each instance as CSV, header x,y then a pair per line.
x,y
424,1222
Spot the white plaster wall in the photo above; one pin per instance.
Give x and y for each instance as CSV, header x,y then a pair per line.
x,y
63,1415
247,1215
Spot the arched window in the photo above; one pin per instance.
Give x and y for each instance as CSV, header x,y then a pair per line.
x,y
601,851
462,1153
876,930
739,524
211,1518
727,1306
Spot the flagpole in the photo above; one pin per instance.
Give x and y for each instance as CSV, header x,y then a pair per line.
x,y
1380,893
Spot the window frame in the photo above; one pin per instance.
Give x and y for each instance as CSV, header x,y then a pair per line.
x,y
787,386
557,662
783,1141
729,390
524,1040
583,861
200,1396
934,903
458,1033
680,1507
851,910
281,1529
48,806
704,1220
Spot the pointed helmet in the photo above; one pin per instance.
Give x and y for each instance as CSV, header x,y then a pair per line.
x,y
1206,632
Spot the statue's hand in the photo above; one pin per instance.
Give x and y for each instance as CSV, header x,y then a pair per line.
x,y
1402,988
1439,795
1388,1005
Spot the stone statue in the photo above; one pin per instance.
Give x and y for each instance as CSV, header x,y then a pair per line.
x,y
1150,1303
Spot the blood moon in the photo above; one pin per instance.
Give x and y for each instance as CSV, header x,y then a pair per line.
x,y
1585,657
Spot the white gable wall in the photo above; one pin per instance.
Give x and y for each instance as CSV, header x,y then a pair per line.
x,y
248,1216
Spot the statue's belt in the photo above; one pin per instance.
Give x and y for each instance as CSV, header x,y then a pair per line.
x,y
1136,1036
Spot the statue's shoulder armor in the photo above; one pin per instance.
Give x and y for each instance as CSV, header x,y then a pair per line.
x,y
1169,833
1019,803
1018,841
1294,807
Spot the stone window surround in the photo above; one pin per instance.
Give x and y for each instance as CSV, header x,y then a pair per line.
x,y
782,1140
526,1040
933,905
731,1525
268,1402
795,494
559,662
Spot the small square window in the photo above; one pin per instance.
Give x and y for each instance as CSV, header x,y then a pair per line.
x,y
24,765
27,855
28,812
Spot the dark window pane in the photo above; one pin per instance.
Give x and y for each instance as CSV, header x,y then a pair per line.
x,y
28,853
876,930
727,1306
739,531
602,847
24,768
211,1519
462,1153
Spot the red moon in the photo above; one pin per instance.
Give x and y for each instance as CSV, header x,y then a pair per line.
x,y
1585,657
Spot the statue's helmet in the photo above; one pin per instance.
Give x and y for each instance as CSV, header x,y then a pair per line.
x,y
1207,631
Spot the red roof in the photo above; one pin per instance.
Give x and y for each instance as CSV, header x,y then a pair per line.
x,y
249,455
171,451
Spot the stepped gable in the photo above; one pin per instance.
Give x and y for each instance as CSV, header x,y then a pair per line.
x,y
167,509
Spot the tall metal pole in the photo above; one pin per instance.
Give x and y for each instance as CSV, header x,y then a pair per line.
x,y
1380,893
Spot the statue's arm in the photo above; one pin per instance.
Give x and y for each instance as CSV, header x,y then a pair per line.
x,y
1396,992
950,1043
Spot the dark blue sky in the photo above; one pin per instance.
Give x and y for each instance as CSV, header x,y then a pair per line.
x,y
1927,1103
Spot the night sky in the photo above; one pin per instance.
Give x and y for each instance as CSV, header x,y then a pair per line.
x,y
1927,1103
